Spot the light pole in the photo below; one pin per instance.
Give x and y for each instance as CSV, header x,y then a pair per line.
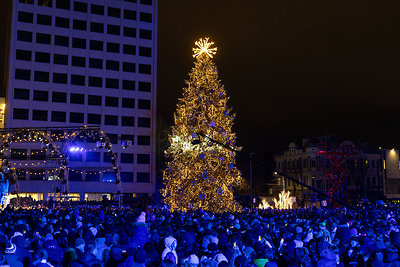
x,y
251,179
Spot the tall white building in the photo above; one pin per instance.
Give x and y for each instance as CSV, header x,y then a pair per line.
x,y
85,62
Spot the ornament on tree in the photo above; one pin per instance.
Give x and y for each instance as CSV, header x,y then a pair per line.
x,y
201,167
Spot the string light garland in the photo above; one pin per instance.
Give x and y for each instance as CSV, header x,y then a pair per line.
x,y
201,173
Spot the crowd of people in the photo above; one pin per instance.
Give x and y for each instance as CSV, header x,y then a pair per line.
x,y
93,235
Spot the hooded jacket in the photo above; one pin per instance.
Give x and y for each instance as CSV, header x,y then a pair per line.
x,y
170,246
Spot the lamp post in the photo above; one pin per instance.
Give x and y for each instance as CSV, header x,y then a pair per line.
x,y
251,179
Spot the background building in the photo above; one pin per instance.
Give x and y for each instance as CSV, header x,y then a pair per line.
x,y
364,170
85,62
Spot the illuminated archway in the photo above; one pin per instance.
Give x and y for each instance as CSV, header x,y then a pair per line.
x,y
29,135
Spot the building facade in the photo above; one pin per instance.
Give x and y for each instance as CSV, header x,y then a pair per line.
x,y
85,62
363,170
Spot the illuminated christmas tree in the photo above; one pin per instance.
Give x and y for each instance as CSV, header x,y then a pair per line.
x,y
202,171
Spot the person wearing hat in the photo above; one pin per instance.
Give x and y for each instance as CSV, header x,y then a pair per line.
x,y
80,249
140,230
170,246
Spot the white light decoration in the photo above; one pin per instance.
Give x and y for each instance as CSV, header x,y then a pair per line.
x,y
284,202
204,48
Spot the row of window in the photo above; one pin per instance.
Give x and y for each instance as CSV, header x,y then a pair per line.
x,y
97,63
61,40
43,19
90,176
77,117
75,79
95,100
21,154
78,6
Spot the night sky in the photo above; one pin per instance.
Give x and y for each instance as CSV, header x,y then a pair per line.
x,y
293,69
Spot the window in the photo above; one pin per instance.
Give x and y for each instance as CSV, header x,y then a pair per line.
x,y
146,2
38,154
114,12
113,47
96,27
23,55
95,63
19,153
39,115
79,25
112,83
144,51
43,38
75,117
96,45
41,76
129,14
24,36
22,94
63,4
36,175
95,81
128,85
145,34
43,19
25,17
128,67
45,3
80,7
58,116
27,1
62,22
128,102
126,158
21,74
110,120
112,65
143,140
113,29
145,17
94,118
20,114
97,9
107,157
78,61
61,40
144,86
144,68
130,32
92,176
143,159
79,43
144,122
128,121
75,175
127,138
144,104
39,95
75,157
77,99
143,177
109,177
59,97
42,57
113,138
60,78
93,156
94,100
111,101
126,177
129,49
77,79
60,59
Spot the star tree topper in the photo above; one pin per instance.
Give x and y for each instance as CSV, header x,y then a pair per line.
x,y
203,47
